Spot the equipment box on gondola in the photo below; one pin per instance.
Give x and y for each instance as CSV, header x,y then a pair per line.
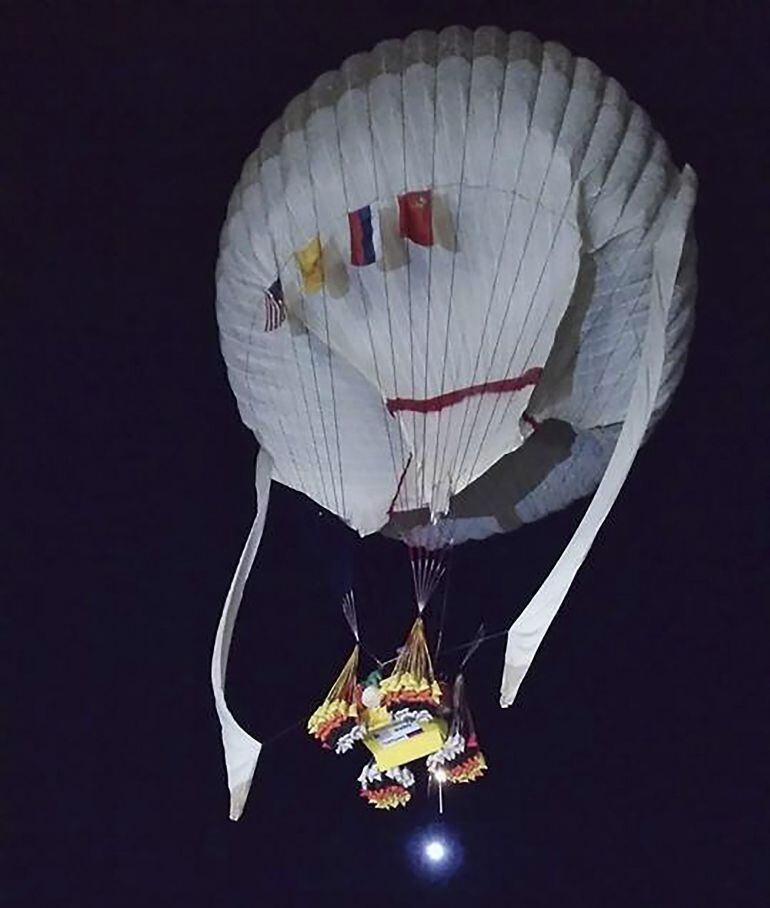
x,y
404,740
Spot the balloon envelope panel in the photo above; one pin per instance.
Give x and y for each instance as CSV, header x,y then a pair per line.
x,y
461,229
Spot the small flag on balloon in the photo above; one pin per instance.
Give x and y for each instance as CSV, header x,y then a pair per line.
x,y
415,217
310,262
275,307
361,236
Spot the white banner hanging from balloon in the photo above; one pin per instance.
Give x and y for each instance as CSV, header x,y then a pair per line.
x,y
529,629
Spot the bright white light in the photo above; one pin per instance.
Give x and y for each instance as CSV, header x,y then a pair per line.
x,y
435,851
440,775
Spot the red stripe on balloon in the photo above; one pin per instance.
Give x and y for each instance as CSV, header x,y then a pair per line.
x,y
434,404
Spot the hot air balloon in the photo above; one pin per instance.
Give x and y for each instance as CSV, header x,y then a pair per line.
x,y
455,292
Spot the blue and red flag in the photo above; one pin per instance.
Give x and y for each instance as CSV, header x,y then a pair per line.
x,y
361,236
415,216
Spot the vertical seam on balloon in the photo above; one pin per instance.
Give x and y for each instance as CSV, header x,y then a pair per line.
x,y
384,271
319,339
311,355
501,96
305,483
308,161
650,139
248,372
512,293
457,466
632,309
364,297
601,107
554,238
408,266
576,184
627,111
514,196
330,352
430,282
605,105
249,348
251,337
322,488
454,263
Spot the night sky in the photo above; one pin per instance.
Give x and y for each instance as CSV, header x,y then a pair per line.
x,y
627,773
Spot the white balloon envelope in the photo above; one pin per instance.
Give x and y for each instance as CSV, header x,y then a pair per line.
x,y
455,290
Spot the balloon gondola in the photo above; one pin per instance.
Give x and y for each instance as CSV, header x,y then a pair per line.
x,y
402,713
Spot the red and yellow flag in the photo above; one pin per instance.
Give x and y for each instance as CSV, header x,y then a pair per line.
x,y
415,216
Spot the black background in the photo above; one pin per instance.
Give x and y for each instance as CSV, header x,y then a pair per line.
x,y
628,772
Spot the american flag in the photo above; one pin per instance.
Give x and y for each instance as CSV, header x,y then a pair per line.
x,y
275,308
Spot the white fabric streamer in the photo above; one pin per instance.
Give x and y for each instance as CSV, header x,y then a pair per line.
x,y
529,629
241,750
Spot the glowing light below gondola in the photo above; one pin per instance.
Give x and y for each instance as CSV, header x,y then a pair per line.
x,y
435,851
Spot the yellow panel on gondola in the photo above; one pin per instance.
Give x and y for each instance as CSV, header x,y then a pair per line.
x,y
400,742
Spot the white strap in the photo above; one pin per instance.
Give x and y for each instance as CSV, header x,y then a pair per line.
x,y
529,629
241,750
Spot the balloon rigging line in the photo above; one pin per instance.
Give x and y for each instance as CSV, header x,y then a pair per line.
x,y
507,310
351,616
384,275
430,284
467,645
248,360
477,641
440,634
453,469
427,570
283,732
349,611
474,646
292,225
408,275
453,271
522,256
362,286
313,196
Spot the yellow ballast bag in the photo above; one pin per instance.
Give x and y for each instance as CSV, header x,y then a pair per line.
x,y
405,739
339,712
